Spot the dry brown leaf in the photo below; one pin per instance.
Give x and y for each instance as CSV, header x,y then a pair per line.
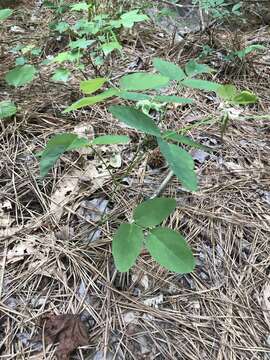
x,y
20,251
63,192
5,218
85,130
66,329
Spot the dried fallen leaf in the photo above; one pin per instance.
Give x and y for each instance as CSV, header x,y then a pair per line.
x,y
20,251
63,191
68,330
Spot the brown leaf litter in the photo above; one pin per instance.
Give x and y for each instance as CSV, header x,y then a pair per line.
x,y
68,330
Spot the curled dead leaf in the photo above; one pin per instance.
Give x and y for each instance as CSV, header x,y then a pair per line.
x,y
68,330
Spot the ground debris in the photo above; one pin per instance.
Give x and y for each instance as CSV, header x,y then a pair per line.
x,y
68,330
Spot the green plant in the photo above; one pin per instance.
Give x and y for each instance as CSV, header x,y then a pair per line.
x,y
219,8
166,246
241,54
92,39
232,97
99,32
5,13
7,109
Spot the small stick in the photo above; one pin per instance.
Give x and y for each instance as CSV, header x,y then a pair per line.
x,y
163,185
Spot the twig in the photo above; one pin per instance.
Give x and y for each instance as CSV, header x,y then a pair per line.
x,y
163,185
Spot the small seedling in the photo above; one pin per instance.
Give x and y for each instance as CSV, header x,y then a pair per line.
x,y
166,246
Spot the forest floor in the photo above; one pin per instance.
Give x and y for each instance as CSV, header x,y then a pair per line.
x,y
56,259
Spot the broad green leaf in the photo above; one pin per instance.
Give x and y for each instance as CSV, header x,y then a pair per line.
x,y
169,69
62,26
152,212
7,109
90,86
181,163
133,96
201,84
135,118
61,74
172,135
170,250
56,147
131,17
108,47
81,6
143,81
110,139
81,43
227,92
67,56
20,75
92,100
20,61
192,68
245,98
126,246
36,51
173,99
5,13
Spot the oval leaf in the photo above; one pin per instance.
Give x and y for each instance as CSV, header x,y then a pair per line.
x,y
110,140
56,147
7,109
169,69
227,92
170,250
244,98
90,86
143,81
192,68
126,246
152,212
5,13
91,100
201,84
135,118
20,75
61,74
181,163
